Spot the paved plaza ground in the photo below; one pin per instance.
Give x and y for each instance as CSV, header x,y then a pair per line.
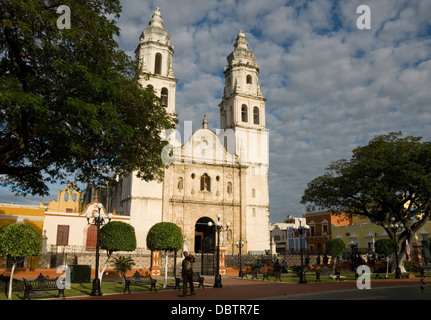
x,y
257,299
244,289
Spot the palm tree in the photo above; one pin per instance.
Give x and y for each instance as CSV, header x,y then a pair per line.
x,y
122,265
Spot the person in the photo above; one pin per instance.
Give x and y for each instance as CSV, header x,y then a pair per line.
x,y
187,273
283,266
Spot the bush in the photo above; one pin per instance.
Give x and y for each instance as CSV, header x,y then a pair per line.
x,y
165,236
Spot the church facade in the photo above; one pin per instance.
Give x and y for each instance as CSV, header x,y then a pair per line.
x,y
215,176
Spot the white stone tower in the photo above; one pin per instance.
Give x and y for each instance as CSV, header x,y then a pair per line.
x,y
242,116
154,53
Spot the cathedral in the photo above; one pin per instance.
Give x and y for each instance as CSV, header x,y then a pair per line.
x,y
215,176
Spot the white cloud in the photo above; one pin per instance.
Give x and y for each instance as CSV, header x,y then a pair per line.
x,y
330,87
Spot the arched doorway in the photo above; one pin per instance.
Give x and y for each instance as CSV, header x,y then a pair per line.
x,y
204,236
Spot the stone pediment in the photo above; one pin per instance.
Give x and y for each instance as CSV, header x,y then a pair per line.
x,y
204,147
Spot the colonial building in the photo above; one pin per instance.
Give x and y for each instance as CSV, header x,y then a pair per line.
x,y
321,224
213,173
286,238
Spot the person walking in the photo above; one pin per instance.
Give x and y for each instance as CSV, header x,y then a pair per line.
x,y
187,273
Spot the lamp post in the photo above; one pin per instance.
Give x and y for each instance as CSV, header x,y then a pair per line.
x,y
240,244
219,228
301,229
395,227
98,221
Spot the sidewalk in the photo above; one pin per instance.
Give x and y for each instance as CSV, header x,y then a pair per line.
x,y
243,289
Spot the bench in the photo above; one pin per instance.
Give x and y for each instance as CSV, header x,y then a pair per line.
x,y
139,280
336,276
196,278
254,274
41,284
17,285
277,274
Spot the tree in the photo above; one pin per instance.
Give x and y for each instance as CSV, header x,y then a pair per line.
x,y
165,236
122,265
335,248
388,178
386,247
70,102
18,241
116,236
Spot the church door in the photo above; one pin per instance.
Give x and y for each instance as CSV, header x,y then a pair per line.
x,y
205,245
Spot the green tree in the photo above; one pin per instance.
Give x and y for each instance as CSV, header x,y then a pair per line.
x,y
388,178
335,248
122,265
386,247
18,241
165,236
116,236
70,102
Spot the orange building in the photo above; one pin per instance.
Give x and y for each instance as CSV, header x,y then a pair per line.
x,y
320,229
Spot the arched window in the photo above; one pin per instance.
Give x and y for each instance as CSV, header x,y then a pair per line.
x,y
158,64
164,97
229,188
66,196
180,183
244,117
205,182
249,80
256,115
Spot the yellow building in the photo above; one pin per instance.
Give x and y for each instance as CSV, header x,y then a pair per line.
x,y
361,234
69,200
18,213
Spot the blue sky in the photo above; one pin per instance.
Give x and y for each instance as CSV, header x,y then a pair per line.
x,y
329,85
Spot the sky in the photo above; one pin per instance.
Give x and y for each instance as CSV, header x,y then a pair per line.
x,y
331,84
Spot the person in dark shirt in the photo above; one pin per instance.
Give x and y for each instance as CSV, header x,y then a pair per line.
x,y
187,273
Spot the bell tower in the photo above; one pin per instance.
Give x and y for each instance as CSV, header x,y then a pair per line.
x,y
243,105
155,53
242,116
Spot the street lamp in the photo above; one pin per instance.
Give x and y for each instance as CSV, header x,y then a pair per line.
x,y
98,221
301,229
240,244
395,227
219,228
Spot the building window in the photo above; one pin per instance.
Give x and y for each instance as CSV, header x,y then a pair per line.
x,y
158,64
66,196
91,238
249,80
325,229
205,182
256,115
253,193
244,116
62,235
180,183
253,212
229,188
164,97
312,231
